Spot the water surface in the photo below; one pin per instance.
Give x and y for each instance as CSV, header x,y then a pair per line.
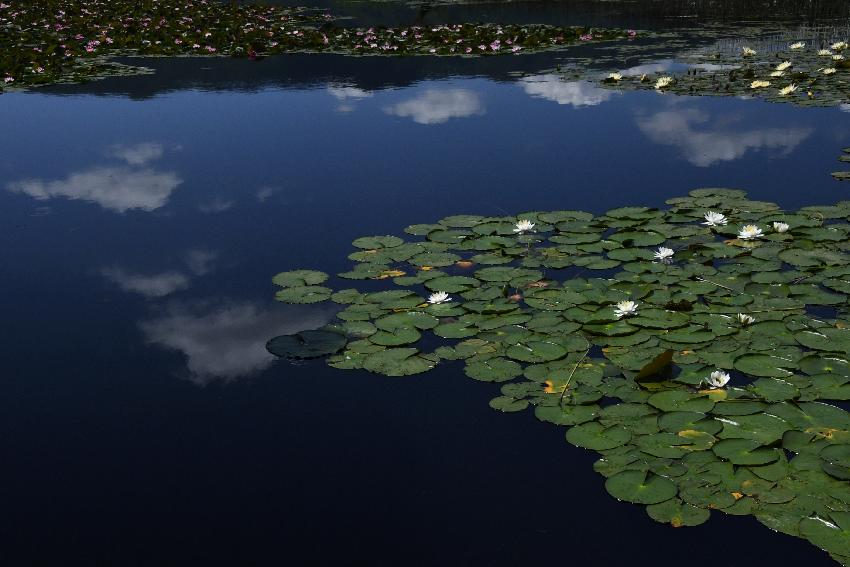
x,y
143,219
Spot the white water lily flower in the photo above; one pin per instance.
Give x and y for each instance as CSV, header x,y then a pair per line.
x,y
714,219
784,65
625,308
663,82
615,76
777,73
837,57
748,51
759,84
824,52
523,226
749,232
781,227
664,253
438,297
838,46
718,379
745,320
785,91
829,71
798,45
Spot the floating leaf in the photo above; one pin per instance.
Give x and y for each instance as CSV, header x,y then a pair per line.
x,y
304,294
595,436
399,362
306,344
493,370
640,487
299,278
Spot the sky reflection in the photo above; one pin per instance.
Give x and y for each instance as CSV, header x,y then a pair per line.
x,y
705,138
118,188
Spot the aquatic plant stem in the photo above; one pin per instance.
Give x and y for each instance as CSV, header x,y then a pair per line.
x,y
570,378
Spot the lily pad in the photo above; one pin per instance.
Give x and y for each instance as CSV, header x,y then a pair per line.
x,y
640,487
306,344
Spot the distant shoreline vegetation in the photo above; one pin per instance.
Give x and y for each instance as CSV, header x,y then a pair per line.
x,y
72,41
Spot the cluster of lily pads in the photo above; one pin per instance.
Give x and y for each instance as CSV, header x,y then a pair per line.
x,y
45,42
692,347
845,158
803,74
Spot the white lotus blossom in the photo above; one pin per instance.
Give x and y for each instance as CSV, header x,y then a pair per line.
x,y
438,297
824,52
798,45
664,253
777,73
663,82
718,379
625,308
745,319
714,219
784,65
615,76
838,46
749,232
748,51
523,226
838,57
785,91
781,227
759,84
829,71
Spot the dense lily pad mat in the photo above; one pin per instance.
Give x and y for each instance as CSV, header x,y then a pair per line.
x,y
804,73
47,42
692,346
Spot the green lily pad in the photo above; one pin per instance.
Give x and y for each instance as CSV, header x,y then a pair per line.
x,y
493,370
306,344
536,351
508,405
399,362
299,278
831,534
640,487
378,242
597,437
765,365
677,513
745,452
304,294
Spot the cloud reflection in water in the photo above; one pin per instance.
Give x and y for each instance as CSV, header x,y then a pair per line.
x,y
705,139
439,106
115,188
226,341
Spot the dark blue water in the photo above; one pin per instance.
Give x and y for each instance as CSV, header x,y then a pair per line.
x,y
141,419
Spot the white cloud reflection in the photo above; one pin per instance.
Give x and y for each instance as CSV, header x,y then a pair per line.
x,y
138,154
705,140
575,93
148,285
216,205
199,262
115,188
118,189
438,106
346,95
224,342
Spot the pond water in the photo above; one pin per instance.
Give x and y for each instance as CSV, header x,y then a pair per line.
x,y
143,218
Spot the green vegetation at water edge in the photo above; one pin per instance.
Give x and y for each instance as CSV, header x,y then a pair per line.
x,y
71,40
